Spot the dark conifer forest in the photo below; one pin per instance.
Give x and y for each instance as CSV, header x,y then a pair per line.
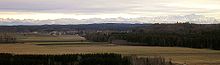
x,y
79,59
168,35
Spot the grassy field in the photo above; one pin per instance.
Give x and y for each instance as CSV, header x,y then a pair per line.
x,y
176,54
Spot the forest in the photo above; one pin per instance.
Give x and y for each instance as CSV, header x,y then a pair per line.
x,y
79,59
80,27
168,35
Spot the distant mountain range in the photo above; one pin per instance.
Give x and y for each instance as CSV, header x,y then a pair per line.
x,y
192,18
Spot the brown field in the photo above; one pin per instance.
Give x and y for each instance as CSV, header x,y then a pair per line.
x,y
48,38
176,54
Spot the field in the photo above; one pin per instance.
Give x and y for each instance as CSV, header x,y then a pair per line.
x,y
74,44
176,54
48,38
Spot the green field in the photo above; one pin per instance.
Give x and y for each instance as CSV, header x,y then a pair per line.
x,y
176,54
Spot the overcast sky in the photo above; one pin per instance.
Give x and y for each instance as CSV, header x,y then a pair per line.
x,y
80,9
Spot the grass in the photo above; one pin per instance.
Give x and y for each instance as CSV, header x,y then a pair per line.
x,y
176,54
68,43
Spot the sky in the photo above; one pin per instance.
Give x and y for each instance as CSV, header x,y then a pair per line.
x,y
83,9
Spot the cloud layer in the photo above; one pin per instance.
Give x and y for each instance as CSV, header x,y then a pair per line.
x,y
100,7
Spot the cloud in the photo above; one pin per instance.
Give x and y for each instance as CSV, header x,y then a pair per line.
x,y
66,6
95,7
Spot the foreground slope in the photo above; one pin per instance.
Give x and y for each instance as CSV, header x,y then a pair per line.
x,y
176,54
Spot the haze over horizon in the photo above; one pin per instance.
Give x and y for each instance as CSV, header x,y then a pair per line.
x,y
190,18
80,9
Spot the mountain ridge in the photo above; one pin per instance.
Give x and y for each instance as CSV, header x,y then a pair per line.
x,y
191,18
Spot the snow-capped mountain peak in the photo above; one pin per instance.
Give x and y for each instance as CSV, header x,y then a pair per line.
x,y
191,18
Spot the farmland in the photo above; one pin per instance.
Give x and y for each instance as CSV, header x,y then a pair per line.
x,y
179,43
48,38
176,54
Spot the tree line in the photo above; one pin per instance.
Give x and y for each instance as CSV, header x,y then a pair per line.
x,y
7,38
78,59
63,28
178,35
209,40
172,35
97,37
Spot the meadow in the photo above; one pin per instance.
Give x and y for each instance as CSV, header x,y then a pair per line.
x,y
176,54
74,44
